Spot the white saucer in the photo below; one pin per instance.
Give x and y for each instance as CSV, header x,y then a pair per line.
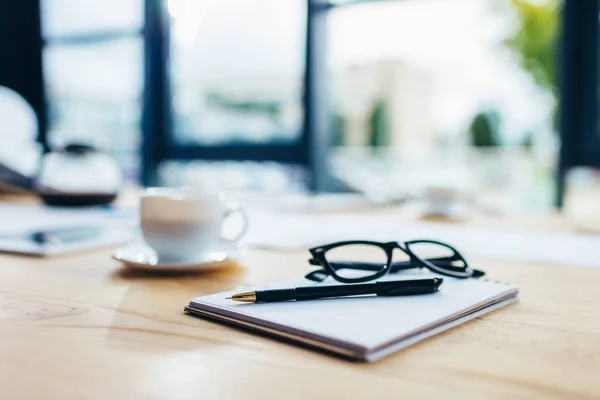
x,y
141,257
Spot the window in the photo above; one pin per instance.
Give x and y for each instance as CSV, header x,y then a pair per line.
x,y
429,93
236,70
93,75
276,82
230,80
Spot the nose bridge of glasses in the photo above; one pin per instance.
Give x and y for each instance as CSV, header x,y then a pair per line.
x,y
399,253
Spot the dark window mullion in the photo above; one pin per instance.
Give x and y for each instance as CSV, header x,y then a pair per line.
x,y
316,138
157,108
21,60
580,142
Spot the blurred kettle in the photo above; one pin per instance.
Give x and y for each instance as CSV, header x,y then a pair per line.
x,y
78,175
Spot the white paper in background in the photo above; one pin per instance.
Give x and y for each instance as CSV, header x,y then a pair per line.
x,y
297,232
18,218
289,232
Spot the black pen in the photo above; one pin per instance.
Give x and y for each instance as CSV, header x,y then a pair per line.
x,y
386,288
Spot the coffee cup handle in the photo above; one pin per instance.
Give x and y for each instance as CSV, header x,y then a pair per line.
x,y
236,209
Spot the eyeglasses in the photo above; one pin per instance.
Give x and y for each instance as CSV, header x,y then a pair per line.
x,y
361,261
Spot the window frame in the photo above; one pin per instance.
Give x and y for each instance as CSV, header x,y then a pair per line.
x,y
160,144
578,99
76,39
578,90
24,73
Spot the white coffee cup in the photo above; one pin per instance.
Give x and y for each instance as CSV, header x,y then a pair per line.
x,y
181,223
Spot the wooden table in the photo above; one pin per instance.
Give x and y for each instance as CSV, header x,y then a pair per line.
x,y
80,326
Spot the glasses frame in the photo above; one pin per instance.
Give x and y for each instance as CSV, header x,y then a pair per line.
x,y
440,265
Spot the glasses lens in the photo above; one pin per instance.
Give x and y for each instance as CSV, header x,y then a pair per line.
x,y
356,261
440,257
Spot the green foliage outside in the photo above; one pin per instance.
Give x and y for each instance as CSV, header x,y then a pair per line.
x,y
271,108
484,130
527,142
379,134
339,128
534,41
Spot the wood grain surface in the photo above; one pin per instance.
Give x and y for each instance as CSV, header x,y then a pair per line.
x,y
82,327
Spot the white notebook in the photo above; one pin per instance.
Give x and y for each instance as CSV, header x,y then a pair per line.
x,y
362,327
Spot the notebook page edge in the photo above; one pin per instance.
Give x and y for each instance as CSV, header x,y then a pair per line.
x,y
287,329
392,348
512,291
277,334
345,352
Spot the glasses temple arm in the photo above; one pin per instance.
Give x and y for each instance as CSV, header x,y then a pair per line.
x,y
445,262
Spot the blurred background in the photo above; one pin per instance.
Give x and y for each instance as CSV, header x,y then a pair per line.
x,y
390,99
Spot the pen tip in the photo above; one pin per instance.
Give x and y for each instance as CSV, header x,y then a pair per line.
x,y
227,298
